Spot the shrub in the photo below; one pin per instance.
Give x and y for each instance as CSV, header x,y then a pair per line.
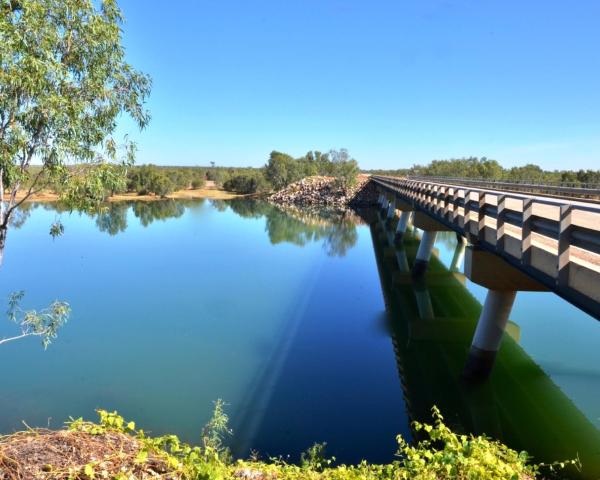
x,y
246,184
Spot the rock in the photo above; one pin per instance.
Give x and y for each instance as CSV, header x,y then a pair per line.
x,y
326,192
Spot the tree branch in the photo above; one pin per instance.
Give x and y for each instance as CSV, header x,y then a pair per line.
x,y
23,335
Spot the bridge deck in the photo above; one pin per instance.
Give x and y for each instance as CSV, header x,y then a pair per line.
x,y
554,240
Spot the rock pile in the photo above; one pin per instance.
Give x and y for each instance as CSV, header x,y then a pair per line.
x,y
326,192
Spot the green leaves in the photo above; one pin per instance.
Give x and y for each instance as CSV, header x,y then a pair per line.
x,y
44,323
442,454
64,81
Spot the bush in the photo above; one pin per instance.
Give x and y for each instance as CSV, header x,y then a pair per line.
x,y
246,184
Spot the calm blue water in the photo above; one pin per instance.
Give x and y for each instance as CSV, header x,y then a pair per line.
x,y
176,304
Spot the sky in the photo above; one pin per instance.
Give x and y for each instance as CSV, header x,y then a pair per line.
x,y
396,82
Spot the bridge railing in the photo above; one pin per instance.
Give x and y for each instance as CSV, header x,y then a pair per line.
x,y
556,241
566,189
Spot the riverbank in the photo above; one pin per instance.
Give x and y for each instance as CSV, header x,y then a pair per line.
x,y
321,191
188,194
114,448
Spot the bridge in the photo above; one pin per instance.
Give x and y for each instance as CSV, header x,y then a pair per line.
x,y
542,239
431,323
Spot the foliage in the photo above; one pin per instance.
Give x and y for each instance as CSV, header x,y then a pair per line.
x,y
247,183
63,83
343,168
282,169
473,167
149,212
44,324
151,179
216,431
441,454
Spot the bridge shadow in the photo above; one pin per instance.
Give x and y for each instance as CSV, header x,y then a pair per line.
x,y
432,322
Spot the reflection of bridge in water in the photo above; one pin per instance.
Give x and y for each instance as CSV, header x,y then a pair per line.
x,y
432,320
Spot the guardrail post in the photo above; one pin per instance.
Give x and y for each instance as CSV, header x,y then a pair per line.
x,y
455,206
467,218
526,231
442,201
447,202
500,218
564,245
481,217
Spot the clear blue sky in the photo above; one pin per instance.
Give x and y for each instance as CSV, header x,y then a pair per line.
x,y
396,82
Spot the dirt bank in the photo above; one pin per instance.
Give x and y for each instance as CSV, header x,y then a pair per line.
x,y
210,193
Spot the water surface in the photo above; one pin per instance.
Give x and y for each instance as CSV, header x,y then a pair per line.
x,y
282,315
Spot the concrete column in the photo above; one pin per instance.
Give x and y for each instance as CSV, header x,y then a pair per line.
x,y
384,207
402,225
488,334
459,253
391,212
424,253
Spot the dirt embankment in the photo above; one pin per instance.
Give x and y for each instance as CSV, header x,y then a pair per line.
x,y
209,191
321,191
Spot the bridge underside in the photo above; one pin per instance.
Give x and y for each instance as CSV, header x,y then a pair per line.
x,y
516,243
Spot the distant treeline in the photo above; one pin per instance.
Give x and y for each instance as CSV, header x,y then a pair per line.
x,y
280,170
474,167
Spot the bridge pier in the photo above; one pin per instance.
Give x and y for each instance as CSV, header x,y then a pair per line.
x,y
402,226
503,281
424,253
488,334
384,206
391,211
459,253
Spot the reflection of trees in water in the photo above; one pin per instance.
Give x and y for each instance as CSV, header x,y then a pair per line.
x,y
21,215
336,230
219,205
149,212
113,218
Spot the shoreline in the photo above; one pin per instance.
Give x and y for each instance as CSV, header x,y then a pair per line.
x,y
199,193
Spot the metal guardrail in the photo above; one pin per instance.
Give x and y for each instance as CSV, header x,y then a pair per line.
x,y
556,242
567,189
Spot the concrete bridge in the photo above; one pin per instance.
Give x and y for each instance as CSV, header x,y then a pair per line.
x,y
431,323
514,242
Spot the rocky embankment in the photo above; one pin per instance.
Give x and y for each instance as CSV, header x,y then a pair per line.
x,y
326,192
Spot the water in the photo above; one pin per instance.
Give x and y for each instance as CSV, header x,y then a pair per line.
x,y
282,315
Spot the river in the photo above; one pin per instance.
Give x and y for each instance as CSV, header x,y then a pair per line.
x,y
300,321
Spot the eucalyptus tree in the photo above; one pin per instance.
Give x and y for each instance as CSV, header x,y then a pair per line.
x,y
64,82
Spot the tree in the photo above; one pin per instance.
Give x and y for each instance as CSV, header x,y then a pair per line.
x,y
343,167
281,170
63,83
